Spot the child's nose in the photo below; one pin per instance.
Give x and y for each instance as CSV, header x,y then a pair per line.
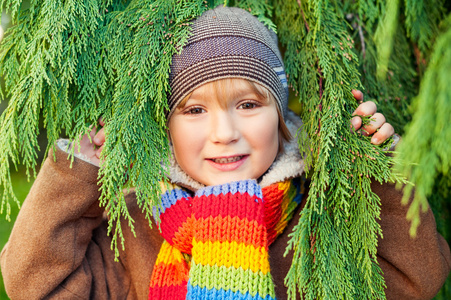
x,y
224,128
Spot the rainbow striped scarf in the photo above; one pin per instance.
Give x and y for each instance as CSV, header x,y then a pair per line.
x,y
216,242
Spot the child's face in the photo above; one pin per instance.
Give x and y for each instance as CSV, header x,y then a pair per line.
x,y
219,140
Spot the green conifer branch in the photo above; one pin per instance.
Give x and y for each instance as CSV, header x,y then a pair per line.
x,y
422,21
59,60
39,65
10,7
335,241
147,33
384,36
426,142
261,9
393,93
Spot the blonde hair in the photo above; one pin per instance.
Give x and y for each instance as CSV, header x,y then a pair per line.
x,y
224,86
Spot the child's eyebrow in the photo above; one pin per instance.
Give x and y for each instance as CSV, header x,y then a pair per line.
x,y
250,94
241,92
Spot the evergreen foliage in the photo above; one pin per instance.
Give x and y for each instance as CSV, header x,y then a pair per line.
x,y
335,241
72,62
430,132
75,62
394,90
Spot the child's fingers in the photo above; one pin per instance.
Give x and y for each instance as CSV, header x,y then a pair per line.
x,y
99,151
376,121
101,122
356,122
358,95
384,132
99,138
364,109
85,142
367,108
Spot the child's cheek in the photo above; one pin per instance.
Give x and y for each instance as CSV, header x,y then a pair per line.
x,y
263,135
187,141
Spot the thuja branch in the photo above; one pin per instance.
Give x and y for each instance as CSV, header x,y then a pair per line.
x,y
303,16
75,63
423,142
323,69
362,38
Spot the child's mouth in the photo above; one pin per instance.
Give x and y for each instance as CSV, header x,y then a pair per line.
x,y
227,160
227,164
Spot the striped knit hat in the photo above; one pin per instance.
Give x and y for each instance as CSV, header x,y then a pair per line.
x,y
228,42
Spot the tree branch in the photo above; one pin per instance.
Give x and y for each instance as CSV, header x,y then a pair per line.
x,y
362,38
303,16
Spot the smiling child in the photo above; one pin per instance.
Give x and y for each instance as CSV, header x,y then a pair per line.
x,y
235,193
232,135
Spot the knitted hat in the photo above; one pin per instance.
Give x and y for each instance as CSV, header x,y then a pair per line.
x,y
228,42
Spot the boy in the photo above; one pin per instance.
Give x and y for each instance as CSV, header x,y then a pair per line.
x,y
230,132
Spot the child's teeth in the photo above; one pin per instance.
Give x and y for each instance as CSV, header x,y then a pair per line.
x,y
227,160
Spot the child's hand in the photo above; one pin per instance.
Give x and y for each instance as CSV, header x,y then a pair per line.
x,y
377,124
92,150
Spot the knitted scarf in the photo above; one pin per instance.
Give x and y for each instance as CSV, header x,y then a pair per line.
x,y
216,241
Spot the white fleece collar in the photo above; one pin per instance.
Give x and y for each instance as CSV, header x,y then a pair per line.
x,y
289,164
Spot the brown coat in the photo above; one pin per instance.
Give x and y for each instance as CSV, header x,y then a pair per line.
x,y
59,248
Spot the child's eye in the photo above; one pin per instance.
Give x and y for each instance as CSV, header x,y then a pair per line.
x,y
194,111
248,105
